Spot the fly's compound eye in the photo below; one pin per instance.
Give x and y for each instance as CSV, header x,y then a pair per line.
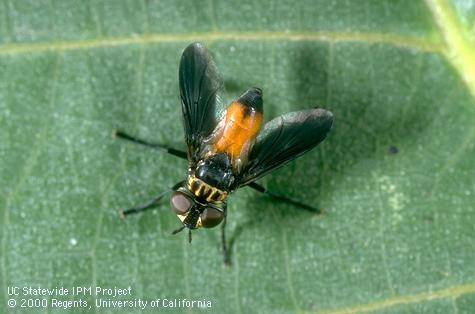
x,y
211,217
180,203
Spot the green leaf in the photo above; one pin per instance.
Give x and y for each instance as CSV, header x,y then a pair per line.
x,y
396,176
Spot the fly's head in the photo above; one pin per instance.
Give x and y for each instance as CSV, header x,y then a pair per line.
x,y
194,214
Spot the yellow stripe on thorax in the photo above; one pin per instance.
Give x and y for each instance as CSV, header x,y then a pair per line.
x,y
204,191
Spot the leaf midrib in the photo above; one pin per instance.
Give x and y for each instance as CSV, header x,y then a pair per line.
x,y
459,51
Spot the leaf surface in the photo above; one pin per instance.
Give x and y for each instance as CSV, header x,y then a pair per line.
x,y
395,177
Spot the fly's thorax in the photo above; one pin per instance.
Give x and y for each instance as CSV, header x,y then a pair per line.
x,y
205,192
215,170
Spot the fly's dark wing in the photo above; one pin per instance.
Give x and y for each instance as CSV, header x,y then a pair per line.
x,y
199,88
285,138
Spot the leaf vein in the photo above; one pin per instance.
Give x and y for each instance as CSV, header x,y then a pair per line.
x,y
407,42
450,292
27,168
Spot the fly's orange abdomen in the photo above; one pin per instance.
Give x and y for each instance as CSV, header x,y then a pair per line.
x,y
242,123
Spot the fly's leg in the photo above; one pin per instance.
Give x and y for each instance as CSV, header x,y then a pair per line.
x,y
143,207
153,202
168,149
150,204
226,257
284,199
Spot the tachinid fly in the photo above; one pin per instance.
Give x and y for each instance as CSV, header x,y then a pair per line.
x,y
228,151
